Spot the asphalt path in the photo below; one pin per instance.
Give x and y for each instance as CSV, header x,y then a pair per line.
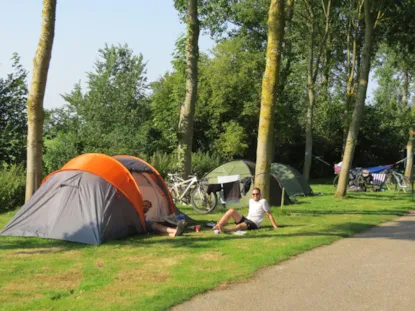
x,y
373,270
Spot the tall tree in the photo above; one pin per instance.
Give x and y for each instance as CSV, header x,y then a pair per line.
x,y
35,113
187,111
314,60
361,97
353,42
112,115
270,82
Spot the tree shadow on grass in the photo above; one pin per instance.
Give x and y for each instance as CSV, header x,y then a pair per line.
x,y
37,245
318,212
400,229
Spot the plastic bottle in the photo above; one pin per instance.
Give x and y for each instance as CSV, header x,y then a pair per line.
x,y
180,218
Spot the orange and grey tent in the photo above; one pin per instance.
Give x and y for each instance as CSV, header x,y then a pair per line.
x,y
93,198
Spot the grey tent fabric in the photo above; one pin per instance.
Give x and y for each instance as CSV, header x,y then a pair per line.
x,y
133,165
76,206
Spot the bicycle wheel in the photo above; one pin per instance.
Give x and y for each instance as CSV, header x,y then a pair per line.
x,y
174,194
336,181
360,182
202,202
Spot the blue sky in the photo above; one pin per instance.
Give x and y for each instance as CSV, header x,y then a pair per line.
x,y
150,27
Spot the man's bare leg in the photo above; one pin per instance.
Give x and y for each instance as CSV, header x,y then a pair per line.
x,y
163,229
241,226
231,213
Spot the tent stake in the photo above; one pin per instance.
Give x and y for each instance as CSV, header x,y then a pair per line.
x,y
283,195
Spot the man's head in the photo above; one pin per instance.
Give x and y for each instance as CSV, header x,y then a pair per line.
x,y
146,206
256,194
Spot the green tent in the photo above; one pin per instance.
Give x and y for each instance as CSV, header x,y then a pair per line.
x,y
246,169
289,178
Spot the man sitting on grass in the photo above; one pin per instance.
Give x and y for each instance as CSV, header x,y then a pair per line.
x,y
257,208
156,227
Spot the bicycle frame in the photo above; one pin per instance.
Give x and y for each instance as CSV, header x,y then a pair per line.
x,y
190,183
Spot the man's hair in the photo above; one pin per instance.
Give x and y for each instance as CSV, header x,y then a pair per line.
x,y
256,188
148,203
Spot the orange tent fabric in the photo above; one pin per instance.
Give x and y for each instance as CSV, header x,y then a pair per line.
x,y
109,169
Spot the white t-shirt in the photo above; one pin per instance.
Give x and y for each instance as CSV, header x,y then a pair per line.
x,y
257,210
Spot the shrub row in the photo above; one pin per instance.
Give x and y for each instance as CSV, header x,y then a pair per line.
x,y
12,187
202,163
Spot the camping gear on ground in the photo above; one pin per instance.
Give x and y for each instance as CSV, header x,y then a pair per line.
x,y
94,198
358,180
246,169
362,178
378,169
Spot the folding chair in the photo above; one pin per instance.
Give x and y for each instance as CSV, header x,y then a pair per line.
x,y
401,181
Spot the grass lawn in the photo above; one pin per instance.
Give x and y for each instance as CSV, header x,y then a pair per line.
x,y
150,272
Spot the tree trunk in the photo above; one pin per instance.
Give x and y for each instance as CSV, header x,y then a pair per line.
x,y
310,106
409,154
287,49
360,103
313,69
35,113
410,143
353,69
270,81
187,110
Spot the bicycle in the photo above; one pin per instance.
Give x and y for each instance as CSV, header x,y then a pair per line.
x,y
192,191
357,178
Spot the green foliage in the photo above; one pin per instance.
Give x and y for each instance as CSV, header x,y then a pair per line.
x,y
202,163
231,142
12,187
111,117
60,150
164,162
13,117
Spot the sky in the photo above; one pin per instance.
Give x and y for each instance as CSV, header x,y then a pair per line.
x,y
149,27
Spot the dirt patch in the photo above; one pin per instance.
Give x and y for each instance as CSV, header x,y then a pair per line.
x,y
128,283
33,252
100,264
212,256
134,277
38,282
172,261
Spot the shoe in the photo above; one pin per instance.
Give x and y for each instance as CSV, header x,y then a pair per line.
x,y
180,228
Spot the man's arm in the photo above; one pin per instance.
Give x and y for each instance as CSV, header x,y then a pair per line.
x,y
272,220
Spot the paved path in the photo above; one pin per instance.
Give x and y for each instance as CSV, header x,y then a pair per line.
x,y
374,270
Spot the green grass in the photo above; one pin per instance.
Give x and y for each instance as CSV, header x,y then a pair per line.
x,y
150,272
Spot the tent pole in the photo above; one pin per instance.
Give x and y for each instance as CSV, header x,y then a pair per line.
x,y
283,196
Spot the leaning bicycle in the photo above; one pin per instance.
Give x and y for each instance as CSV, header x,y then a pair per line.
x,y
357,178
192,191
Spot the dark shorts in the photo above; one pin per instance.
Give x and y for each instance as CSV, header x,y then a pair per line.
x,y
250,224
148,226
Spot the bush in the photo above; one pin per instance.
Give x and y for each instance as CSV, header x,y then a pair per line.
x,y
202,163
12,187
164,163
